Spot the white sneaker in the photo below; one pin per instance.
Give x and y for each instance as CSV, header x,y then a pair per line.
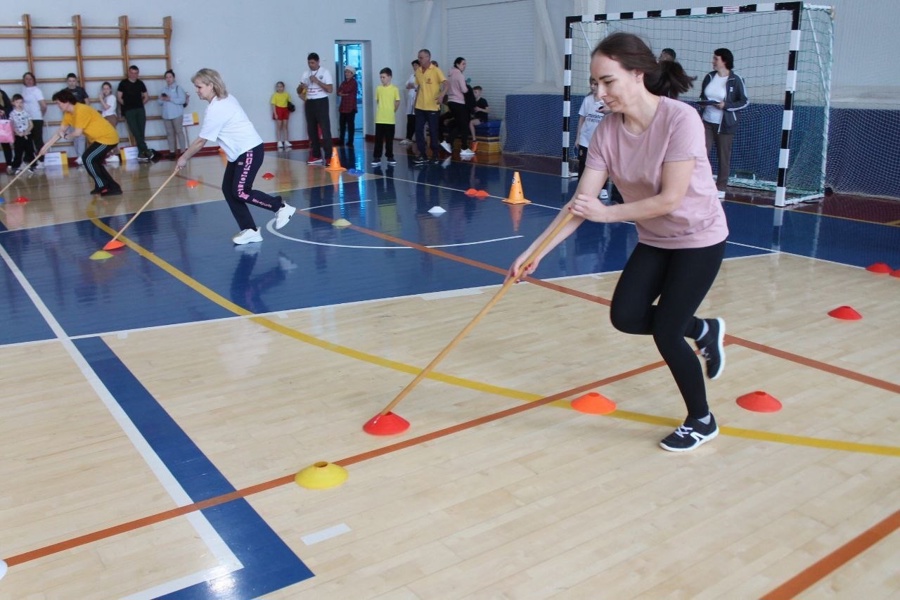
x,y
315,161
466,153
284,215
405,142
38,165
721,195
247,236
287,145
78,161
447,147
376,163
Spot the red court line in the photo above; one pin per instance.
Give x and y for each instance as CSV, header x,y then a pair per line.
x,y
280,481
729,339
837,559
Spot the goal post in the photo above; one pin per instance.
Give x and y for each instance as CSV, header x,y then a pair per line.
x,y
783,52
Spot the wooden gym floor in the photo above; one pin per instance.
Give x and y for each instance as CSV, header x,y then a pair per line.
x,y
156,405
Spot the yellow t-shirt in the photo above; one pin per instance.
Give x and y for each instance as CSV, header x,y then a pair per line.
x,y
429,83
95,127
386,99
280,99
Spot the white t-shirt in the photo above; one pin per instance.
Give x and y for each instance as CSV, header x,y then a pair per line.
x,y
411,95
313,90
715,90
111,102
32,97
226,122
590,110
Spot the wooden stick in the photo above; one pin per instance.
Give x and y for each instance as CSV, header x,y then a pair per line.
x,y
506,285
147,203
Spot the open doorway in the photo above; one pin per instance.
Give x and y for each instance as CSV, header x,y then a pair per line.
x,y
354,53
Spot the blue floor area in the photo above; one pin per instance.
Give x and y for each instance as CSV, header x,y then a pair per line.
x,y
311,263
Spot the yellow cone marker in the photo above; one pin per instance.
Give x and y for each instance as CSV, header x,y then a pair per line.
x,y
341,223
321,476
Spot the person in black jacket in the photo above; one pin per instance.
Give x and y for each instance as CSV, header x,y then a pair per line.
x,y
722,95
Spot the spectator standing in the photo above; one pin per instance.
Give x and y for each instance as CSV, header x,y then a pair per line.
x,y
172,100
315,87
36,107
432,86
347,110
132,94
411,90
387,101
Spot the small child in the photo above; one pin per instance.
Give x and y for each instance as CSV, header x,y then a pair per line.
x,y
479,113
280,114
590,114
22,125
387,100
109,104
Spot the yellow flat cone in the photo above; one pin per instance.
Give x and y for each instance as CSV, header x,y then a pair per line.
x,y
321,476
101,255
340,223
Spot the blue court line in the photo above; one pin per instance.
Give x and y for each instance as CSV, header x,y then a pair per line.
x,y
269,564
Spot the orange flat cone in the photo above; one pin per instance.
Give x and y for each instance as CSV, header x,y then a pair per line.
x,y
594,403
471,192
481,194
388,424
846,313
335,163
895,273
759,402
516,196
880,268
192,183
268,175
113,245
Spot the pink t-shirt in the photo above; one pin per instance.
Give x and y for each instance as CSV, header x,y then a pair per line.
x,y
634,162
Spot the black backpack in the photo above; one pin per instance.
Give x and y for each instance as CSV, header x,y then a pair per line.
x,y
470,98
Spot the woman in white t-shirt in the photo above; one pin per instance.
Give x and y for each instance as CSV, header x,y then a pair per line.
x,y
722,95
226,122
36,107
653,147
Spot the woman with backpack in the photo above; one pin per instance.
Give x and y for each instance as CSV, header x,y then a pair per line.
x,y
173,100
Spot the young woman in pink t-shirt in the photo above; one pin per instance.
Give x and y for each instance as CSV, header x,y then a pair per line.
x,y
653,148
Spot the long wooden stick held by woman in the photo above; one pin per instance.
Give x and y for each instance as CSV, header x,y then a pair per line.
x,y
506,285
114,244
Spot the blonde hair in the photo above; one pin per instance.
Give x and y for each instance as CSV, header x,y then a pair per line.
x,y
211,77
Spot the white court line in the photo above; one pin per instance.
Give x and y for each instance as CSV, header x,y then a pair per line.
x,y
325,534
201,525
270,227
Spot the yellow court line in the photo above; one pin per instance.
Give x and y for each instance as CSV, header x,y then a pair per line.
x,y
467,383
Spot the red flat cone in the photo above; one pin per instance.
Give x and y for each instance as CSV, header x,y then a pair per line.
x,y
192,183
471,192
481,194
880,268
21,200
896,273
759,402
845,312
389,424
594,404
113,245
267,175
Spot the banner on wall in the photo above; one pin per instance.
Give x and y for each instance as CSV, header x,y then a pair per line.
x,y
190,119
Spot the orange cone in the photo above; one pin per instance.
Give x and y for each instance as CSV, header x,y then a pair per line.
x,y
516,196
335,163
759,402
846,313
880,268
594,403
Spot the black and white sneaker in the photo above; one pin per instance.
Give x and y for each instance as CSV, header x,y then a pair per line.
x,y
691,434
712,347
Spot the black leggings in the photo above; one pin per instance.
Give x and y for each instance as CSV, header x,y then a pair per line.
x,y
680,279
